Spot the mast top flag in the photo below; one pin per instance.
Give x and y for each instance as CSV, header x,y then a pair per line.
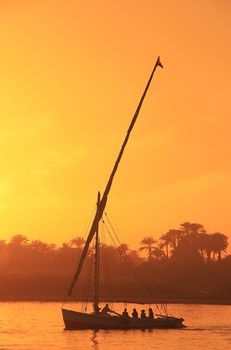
x,y
159,63
102,204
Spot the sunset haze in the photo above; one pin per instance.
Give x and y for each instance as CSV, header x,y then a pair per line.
x,y
72,74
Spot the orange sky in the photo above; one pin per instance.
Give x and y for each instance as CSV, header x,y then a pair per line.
x,y
72,73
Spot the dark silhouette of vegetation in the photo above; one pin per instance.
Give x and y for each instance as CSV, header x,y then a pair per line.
x,y
185,263
147,244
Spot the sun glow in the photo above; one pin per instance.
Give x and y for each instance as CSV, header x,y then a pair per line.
x,y
71,77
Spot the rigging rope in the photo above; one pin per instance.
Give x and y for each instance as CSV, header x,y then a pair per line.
x,y
105,270
80,252
85,302
130,264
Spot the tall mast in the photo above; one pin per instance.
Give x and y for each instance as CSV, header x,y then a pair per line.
x,y
103,201
96,289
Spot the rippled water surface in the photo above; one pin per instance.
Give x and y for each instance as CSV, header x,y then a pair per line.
x,y
35,325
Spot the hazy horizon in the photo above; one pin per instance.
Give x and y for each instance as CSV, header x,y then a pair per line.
x,y
72,75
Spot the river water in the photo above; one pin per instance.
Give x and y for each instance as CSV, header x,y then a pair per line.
x,y
39,325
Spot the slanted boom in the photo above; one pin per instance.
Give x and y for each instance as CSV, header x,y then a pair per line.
x,y
101,206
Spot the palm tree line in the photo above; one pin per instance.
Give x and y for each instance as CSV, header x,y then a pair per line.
x,y
210,246
187,261
189,237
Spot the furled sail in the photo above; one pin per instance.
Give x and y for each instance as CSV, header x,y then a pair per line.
x,y
103,202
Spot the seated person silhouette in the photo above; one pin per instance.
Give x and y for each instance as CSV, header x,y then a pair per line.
x,y
125,313
150,313
143,315
96,309
134,313
105,310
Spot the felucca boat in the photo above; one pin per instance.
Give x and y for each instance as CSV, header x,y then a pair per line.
x,y
96,319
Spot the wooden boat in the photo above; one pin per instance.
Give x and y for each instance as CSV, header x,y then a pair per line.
x,y
80,320
96,319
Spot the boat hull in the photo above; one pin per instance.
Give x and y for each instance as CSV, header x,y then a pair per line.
x,y
79,320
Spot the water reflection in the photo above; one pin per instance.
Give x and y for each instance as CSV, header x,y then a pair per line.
x,y
94,340
209,327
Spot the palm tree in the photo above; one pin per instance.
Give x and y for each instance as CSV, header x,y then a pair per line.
x,y
170,239
77,242
18,249
65,246
165,243
158,253
39,246
220,243
204,246
19,241
208,244
147,244
122,249
191,233
191,230
186,227
134,257
197,228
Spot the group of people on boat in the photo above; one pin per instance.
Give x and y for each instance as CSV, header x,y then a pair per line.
x,y
143,314
106,310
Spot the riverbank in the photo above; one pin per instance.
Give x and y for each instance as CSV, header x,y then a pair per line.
x,y
169,300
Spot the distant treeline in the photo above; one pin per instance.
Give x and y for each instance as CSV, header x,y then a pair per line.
x,y
187,263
